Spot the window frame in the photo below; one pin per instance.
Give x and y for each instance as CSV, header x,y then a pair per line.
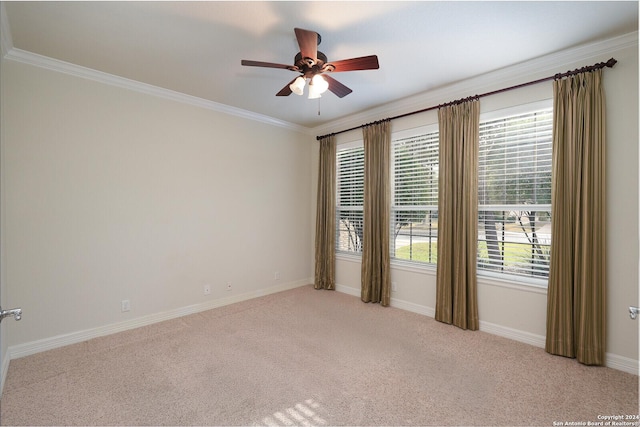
x,y
404,134
484,276
504,113
359,143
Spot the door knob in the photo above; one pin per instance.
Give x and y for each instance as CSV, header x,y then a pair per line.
x,y
15,312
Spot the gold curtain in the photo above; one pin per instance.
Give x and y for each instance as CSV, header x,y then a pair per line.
x,y
376,263
456,282
326,215
576,297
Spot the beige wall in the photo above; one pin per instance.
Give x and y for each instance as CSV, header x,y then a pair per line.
x,y
518,311
110,194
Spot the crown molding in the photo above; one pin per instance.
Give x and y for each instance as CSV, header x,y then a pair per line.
x,y
516,74
531,69
6,42
51,64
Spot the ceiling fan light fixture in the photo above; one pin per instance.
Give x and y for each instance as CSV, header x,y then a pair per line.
x,y
297,86
314,93
320,83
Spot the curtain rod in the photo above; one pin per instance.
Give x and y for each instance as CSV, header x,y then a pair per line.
x,y
610,63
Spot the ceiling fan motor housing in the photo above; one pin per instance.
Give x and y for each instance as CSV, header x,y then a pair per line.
x,y
310,66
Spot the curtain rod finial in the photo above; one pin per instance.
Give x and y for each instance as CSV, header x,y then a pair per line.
x,y
610,63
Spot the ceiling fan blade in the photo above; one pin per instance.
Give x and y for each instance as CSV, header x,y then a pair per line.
x,y
286,91
265,64
362,63
336,87
308,42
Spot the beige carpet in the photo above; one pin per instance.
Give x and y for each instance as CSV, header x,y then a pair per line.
x,y
307,357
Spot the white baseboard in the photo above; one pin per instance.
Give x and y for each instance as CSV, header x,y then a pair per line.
x,y
414,308
621,363
33,347
613,361
395,302
514,334
348,290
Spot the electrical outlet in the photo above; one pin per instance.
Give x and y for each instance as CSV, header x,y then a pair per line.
x,y
228,286
207,289
276,275
394,286
126,305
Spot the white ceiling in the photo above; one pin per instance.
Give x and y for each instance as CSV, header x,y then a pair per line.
x,y
195,48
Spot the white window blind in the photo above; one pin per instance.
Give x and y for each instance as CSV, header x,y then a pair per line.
x,y
350,197
514,194
414,209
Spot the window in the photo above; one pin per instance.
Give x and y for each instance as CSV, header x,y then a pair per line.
x,y
514,194
350,198
414,211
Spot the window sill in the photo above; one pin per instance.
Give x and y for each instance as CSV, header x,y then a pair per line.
x,y
538,286
349,257
414,267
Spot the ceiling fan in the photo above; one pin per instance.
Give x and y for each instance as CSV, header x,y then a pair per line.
x,y
313,65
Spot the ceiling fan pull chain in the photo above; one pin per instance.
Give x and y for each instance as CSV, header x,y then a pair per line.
x,y
318,106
